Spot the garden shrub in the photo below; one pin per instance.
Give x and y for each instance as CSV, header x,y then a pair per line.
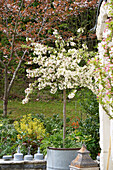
x,y
56,140
8,137
52,124
88,133
87,100
77,132
38,130
30,133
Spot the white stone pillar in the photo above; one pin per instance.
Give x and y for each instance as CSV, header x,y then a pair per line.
x,y
106,125
111,135
111,130
105,134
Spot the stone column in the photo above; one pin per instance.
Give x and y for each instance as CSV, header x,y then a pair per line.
x,y
105,136
106,125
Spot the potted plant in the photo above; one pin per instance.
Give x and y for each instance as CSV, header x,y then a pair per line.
x,y
59,67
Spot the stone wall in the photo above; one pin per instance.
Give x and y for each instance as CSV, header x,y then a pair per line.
x,y
22,165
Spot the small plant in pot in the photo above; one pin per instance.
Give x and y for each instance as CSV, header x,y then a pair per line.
x,y
59,67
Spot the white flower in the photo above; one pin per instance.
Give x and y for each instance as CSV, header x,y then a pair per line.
x,y
35,60
29,62
5,56
70,8
28,90
71,38
84,46
28,39
53,90
67,44
71,95
72,51
55,32
69,85
63,50
106,33
80,30
72,43
24,101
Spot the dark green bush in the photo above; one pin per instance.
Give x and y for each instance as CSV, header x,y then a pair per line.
x,y
8,138
84,131
87,100
88,133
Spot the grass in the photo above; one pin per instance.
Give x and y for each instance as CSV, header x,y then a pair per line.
x,y
16,109
47,104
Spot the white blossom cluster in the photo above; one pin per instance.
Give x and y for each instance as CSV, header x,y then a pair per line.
x,y
59,67
28,91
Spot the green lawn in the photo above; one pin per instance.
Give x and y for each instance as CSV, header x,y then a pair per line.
x,y
49,104
16,109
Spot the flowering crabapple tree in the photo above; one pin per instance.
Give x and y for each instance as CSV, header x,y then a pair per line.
x,y
59,68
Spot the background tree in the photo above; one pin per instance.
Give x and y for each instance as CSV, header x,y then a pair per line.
x,y
33,19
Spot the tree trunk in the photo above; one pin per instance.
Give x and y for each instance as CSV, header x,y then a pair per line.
x,y
64,117
7,87
5,98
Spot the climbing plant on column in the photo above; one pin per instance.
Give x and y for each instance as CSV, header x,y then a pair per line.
x,y
103,63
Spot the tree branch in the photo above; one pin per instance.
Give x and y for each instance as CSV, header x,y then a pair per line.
x,y
15,73
2,63
13,38
107,112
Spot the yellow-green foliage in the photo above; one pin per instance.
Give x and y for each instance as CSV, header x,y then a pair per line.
x,y
29,127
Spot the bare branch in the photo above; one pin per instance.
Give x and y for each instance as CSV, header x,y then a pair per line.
x,y
25,9
20,9
44,20
107,112
13,38
15,73
2,62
